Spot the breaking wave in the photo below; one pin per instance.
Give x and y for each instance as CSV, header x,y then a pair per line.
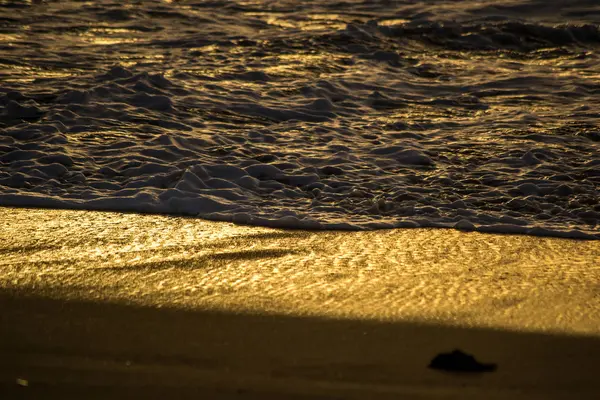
x,y
359,115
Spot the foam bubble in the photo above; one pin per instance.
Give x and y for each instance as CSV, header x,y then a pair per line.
x,y
468,115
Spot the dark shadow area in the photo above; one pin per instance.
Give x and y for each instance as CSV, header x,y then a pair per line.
x,y
77,349
202,262
568,8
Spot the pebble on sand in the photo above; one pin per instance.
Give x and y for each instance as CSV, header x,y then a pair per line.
x,y
459,361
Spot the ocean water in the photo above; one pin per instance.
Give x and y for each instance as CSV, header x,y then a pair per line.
x,y
356,114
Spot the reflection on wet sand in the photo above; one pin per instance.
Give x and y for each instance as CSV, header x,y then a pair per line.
x,y
512,282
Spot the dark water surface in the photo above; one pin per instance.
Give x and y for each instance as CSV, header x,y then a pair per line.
x,y
315,114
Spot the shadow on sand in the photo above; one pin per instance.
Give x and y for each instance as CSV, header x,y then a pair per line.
x,y
75,349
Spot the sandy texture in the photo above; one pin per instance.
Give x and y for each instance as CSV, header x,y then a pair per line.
x,y
118,305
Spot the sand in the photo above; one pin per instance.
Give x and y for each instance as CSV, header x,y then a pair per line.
x,y
111,305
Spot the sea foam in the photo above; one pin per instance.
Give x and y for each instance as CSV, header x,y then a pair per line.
x,y
473,119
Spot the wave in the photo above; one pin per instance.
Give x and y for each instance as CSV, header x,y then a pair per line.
x,y
486,123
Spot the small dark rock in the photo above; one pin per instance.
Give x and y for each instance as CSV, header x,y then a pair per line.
x,y
458,361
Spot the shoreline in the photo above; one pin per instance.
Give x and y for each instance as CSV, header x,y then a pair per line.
x,y
117,305
296,224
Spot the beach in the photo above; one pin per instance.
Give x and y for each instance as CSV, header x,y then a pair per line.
x,y
266,199
128,305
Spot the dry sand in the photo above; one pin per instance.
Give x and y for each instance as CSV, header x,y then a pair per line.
x,y
109,305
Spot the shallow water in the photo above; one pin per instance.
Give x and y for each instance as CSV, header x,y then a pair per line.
x,y
441,276
336,115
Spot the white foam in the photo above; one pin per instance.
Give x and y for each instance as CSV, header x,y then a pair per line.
x,y
453,118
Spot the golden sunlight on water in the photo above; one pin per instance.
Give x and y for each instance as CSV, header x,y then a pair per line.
x,y
430,275
108,36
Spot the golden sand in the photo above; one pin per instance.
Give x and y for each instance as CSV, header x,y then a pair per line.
x,y
121,306
446,276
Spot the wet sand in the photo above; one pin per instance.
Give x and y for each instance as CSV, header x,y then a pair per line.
x,y
109,305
